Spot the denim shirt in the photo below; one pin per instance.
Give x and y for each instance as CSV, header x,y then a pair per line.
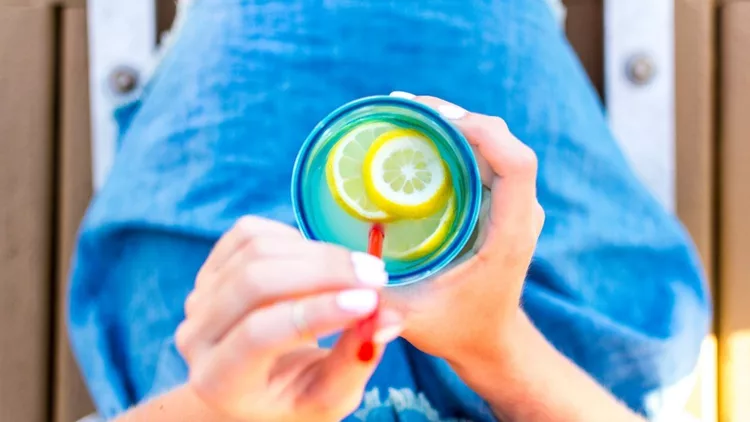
x,y
615,284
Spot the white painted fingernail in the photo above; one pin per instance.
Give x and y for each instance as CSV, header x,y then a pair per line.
x,y
387,334
369,270
452,112
358,301
403,94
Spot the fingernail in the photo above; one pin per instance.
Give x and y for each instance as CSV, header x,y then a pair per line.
x,y
403,94
387,334
358,301
452,112
369,270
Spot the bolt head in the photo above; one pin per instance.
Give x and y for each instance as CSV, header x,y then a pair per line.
x,y
641,69
123,80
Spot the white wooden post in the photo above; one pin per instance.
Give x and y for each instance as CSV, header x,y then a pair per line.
x,y
122,41
639,88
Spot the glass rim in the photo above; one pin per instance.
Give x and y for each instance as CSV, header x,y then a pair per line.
x,y
475,184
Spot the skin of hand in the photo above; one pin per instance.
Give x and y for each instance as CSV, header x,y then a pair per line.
x,y
260,300
470,309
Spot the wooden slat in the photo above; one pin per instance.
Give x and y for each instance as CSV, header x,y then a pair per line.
x,y
71,400
165,12
734,242
695,79
696,128
585,32
43,3
26,171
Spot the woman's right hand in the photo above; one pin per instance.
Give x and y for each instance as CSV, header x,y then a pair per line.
x,y
260,300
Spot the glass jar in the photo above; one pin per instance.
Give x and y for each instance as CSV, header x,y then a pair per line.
x,y
319,216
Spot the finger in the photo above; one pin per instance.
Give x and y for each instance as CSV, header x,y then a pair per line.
x,y
321,268
267,237
256,249
485,171
514,203
506,155
454,112
341,372
245,229
261,337
514,163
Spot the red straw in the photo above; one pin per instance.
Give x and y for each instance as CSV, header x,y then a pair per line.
x,y
367,327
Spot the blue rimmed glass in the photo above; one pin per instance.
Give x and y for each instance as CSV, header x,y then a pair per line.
x,y
320,218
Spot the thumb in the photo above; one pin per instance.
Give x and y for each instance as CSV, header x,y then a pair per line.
x,y
342,374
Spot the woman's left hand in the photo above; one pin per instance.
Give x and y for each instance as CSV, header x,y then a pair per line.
x,y
471,309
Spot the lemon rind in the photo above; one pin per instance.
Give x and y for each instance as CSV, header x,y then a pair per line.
x,y
333,187
425,209
432,242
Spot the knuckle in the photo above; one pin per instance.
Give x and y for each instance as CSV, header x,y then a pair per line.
x,y
191,302
256,247
525,160
181,341
202,383
520,243
188,343
251,343
245,225
335,261
250,285
499,125
322,310
520,251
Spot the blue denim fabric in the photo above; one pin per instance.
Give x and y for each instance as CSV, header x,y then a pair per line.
x,y
615,283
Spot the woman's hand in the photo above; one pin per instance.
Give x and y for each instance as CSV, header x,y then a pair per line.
x,y
260,300
471,310
471,315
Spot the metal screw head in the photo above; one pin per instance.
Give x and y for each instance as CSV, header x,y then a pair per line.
x,y
641,69
123,80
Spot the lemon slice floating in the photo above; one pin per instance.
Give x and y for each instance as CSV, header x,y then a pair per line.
x,y
415,239
404,174
344,171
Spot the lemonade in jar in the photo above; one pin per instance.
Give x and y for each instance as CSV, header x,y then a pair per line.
x,y
395,165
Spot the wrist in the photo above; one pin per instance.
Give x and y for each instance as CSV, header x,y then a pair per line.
x,y
526,379
497,354
499,372
180,404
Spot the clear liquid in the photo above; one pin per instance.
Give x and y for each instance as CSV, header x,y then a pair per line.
x,y
325,220
335,225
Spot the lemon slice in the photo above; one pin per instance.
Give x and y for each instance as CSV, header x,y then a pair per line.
x,y
415,239
405,175
344,171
